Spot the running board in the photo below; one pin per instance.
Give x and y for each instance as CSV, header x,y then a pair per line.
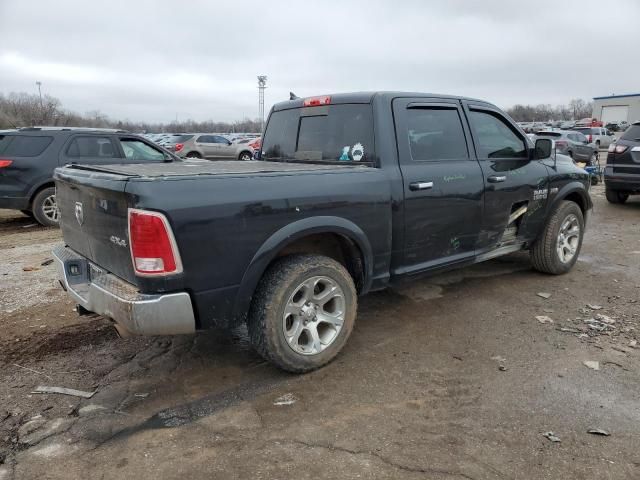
x,y
499,252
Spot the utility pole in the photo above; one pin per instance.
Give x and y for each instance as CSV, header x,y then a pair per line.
x,y
262,84
39,84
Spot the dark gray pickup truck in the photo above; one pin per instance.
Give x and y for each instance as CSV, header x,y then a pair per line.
x,y
351,193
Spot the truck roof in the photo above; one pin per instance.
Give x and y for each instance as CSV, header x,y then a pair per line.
x,y
367,97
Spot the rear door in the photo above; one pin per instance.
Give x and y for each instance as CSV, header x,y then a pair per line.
x,y
208,146
443,187
511,178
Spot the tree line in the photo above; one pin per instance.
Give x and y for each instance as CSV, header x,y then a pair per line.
x,y
25,110
20,109
574,110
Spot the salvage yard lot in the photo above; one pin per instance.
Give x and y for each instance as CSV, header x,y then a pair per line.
x,y
447,377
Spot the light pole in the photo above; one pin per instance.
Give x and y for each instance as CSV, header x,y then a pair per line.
x,y
262,84
39,84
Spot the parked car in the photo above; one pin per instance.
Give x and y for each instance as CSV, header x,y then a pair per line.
x,y
623,125
599,136
622,172
255,144
567,125
589,122
335,209
214,147
573,144
176,141
28,157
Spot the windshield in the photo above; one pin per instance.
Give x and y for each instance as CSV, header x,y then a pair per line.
x,y
327,134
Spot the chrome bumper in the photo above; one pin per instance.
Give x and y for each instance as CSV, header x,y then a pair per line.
x,y
107,295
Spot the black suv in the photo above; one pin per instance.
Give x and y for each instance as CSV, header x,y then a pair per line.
x,y
28,157
622,173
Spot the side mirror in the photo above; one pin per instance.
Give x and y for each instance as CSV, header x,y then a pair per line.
x,y
543,149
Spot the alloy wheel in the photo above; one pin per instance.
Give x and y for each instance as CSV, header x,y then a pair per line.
x,y
314,315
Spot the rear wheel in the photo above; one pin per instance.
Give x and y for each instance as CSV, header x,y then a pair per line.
x,y
45,209
245,156
615,196
193,155
303,312
557,249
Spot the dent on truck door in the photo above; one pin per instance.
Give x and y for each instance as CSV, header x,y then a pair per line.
x,y
442,183
513,179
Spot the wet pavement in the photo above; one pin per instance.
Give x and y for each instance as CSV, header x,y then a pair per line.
x,y
447,377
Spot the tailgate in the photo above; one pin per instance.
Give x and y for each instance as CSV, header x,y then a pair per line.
x,y
93,217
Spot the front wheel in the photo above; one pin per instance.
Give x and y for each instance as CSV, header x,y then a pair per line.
x,y
302,312
45,209
245,156
558,247
615,196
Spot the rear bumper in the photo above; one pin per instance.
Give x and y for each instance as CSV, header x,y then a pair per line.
x,y
107,295
621,181
14,203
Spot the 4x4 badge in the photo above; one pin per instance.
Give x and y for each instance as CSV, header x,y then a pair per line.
x,y
79,213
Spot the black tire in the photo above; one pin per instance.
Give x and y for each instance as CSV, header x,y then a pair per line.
x,y
41,208
193,155
615,196
245,156
594,180
266,317
28,213
544,254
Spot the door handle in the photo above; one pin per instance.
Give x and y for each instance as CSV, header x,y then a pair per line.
x,y
420,186
496,178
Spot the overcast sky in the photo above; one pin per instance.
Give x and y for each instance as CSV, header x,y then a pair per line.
x,y
153,60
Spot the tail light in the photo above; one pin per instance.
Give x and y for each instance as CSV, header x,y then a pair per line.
x,y
589,138
613,148
178,147
5,163
153,248
316,101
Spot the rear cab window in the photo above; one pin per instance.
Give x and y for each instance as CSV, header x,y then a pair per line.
x,y
23,145
340,133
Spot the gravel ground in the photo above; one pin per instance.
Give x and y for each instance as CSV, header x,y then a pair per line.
x,y
448,377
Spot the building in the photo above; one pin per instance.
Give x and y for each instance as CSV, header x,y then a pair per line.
x,y
616,108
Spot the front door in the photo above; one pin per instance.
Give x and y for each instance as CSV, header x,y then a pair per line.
x,y
226,149
443,186
512,179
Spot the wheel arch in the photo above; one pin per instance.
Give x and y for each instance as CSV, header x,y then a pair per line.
x,y
38,188
575,192
243,151
302,237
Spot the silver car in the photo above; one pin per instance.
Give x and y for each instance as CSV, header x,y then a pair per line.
x,y
214,147
600,136
573,144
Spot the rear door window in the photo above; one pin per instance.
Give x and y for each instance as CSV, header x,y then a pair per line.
x,y
327,134
91,147
23,145
436,134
